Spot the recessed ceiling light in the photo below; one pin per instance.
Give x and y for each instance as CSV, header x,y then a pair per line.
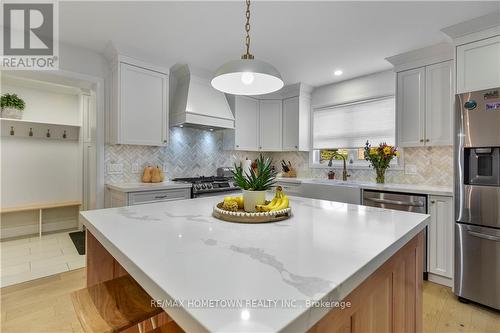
x,y
338,72
211,130
181,126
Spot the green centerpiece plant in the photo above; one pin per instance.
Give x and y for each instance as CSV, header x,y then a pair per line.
x,y
255,183
380,158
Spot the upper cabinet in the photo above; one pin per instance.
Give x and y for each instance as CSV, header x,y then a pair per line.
x,y
270,125
246,124
258,124
478,65
296,123
410,101
277,122
424,105
139,105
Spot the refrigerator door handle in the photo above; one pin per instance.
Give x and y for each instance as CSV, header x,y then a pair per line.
x,y
484,236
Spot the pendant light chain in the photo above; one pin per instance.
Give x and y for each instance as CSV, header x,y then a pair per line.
x,y
247,29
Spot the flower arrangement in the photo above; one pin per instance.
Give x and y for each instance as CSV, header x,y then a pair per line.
x,y
380,158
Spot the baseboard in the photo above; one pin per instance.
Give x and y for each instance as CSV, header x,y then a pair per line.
x,y
32,229
440,280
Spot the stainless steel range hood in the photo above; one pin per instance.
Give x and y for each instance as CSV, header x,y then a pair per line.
x,y
193,102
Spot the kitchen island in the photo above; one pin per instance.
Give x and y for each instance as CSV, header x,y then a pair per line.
x,y
291,276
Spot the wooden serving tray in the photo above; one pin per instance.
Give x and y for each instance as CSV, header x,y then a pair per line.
x,y
243,217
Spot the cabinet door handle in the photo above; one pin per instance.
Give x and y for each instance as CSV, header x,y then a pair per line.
x,y
427,140
296,147
161,196
237,146
421,140
433,201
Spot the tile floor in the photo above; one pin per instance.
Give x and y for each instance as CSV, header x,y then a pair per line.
x,y
32,258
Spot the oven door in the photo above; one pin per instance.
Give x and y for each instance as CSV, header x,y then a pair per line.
x,y
231,192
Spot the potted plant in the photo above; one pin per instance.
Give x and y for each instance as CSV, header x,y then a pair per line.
x,y
12,106
380,158
255,183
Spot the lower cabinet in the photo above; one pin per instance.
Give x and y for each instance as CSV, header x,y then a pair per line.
x,y
440,237
120,199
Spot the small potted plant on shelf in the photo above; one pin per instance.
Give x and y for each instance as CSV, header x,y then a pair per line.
x,y
380,158
255,183
12,106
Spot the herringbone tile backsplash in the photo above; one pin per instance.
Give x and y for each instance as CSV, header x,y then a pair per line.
x,y
195,152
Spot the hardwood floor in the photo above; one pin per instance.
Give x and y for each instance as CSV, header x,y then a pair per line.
x,y
443,313
44,306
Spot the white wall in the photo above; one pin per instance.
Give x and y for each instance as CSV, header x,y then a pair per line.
x,y
360,88
37,170
43,103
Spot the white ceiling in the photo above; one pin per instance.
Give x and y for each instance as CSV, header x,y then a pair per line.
x,y
306,41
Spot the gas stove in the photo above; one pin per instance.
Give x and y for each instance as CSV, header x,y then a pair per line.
x,y
206,186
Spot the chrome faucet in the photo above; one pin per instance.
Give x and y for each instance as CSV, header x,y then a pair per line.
x,y
344,171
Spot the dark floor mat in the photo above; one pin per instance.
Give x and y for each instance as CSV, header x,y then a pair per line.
x,y
78,239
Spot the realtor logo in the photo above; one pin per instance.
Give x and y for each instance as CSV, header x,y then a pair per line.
x,y
29,36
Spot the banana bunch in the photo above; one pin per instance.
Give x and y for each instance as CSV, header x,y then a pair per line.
x,y
279,202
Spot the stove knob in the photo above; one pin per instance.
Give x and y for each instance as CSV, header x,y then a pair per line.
x,y
203,186
209,186
198,186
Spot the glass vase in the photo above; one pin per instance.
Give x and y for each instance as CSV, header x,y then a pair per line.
x,y
380,179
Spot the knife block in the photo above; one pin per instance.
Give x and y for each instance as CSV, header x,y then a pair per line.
x,y
290,174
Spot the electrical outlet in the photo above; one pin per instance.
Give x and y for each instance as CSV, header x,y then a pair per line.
x,y
410,169
115,168
164,167
135,167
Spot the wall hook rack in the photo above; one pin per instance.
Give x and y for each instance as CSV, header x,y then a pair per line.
x,y
38,130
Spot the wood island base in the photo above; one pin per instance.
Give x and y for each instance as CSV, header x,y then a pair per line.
x,y
389,300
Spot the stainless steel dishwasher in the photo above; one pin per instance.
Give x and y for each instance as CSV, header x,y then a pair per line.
x,y
408,202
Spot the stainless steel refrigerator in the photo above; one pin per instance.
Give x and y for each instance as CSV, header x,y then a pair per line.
x,y
477,197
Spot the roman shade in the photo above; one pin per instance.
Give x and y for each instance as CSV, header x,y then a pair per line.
x,y
350,125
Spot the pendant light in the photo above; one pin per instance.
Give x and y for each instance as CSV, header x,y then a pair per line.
x,y
247,76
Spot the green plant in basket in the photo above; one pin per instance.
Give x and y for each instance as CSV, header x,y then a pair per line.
x,y
12,101
259,180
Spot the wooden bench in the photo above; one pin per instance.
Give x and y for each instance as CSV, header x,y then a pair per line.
x,y
40,208
116,305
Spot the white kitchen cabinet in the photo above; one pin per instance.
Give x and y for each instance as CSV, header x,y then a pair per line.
x,y
410,101
296,123
440,237
115,198
439,104
246,129
424,105
275,122
139,113
478,65
270,125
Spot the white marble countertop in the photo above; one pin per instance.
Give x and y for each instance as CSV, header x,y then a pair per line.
x,y
177,251
406,188
138,187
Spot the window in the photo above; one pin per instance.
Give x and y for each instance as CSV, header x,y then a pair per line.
x,y
346,128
